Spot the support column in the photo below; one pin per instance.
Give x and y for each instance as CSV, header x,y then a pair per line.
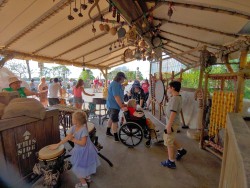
x,y
105,89
240,78
226,61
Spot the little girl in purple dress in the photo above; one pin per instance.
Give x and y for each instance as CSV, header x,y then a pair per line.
x,y
84,155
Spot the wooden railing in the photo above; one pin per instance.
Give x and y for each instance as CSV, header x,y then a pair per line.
x,y
235,171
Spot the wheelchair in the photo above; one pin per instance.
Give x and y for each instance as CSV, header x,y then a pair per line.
x,y
133,130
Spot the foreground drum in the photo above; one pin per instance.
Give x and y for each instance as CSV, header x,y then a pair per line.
x,y
51,164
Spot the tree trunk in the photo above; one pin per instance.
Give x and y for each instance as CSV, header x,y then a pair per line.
x,y
28,67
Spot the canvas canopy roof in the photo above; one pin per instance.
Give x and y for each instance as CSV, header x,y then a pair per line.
x,y
40,30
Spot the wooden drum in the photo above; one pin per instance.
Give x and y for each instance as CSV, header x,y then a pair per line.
x,y
45,154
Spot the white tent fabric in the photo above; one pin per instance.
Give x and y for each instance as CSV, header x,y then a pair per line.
x,y
5,74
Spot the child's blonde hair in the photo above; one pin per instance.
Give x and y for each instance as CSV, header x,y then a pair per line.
x,y
43,78
131,103
81,117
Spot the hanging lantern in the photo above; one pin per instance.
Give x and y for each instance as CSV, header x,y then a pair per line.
x,y
70,17
84,6
75,9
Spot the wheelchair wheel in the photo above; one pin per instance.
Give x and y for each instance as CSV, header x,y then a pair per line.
x,y
148,143
131,134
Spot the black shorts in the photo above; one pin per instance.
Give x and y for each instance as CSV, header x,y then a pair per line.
x,y
114,115
53,101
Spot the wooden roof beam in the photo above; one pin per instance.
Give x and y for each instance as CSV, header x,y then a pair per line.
x,y
177,58
45,59
84,43
58,7
182,51
73,31
164,21
199,41
201,7
181,44
121,63
190,60
110,59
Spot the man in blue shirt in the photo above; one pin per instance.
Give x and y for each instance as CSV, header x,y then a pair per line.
x,y
115,103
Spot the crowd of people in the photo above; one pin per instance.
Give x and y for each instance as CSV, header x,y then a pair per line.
x,y
84,154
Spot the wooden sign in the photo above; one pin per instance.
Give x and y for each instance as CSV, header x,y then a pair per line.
x,y
159,91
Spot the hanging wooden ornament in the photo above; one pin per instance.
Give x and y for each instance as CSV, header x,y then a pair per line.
x,y
75,9
123,45
84,6
150,18
101,26
118,16
114,12
114,45
131,34
111,6
70,17
91,1
113,30
110,48
80,14
93,29
170,10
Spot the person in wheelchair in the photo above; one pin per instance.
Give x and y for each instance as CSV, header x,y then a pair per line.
x,y
133,113
137,93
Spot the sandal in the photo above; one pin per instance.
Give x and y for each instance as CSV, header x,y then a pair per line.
x,y
80,185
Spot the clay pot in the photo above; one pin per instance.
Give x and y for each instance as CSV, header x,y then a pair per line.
x,y
106,28
113,31
101,26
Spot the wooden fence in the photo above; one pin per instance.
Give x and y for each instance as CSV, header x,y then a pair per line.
x,y
235,171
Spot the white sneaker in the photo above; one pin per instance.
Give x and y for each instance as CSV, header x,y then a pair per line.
x,y
159,140
158,133
156,140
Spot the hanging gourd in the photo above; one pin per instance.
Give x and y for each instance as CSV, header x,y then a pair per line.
x,y
80,14
75,9
118,18
113,30
142,43
93,29
84,6
101,26
70,17
106,27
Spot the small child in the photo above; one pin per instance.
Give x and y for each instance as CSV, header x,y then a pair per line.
x,y
64,92
131,108
84,155
173,122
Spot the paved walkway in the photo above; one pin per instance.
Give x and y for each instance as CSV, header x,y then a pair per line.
x,y
140,167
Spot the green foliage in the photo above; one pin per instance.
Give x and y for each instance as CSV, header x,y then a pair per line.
x,y
84,75
131,75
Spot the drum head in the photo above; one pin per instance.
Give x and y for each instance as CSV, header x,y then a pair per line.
x,y
121,33
46,153
156,42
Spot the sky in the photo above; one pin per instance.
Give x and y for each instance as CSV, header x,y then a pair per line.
x,y
76,71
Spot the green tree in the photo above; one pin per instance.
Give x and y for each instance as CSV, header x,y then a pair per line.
x,y
60,70
46,72
84,75
131,75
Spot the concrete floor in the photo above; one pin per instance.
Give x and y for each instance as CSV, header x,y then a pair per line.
x,y
140,167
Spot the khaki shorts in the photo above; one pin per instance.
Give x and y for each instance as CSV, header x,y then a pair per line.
x,y
169,138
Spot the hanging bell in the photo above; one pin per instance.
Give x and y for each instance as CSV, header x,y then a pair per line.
x,y
137,54
70,17
75,9
110,48
84,6
91,1
80,14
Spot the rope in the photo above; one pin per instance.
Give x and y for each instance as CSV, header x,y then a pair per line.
x,y
51,179
37,169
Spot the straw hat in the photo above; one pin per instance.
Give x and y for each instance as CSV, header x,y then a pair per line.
x,y
14,79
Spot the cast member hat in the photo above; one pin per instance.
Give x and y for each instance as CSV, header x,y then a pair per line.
x,y
14,79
